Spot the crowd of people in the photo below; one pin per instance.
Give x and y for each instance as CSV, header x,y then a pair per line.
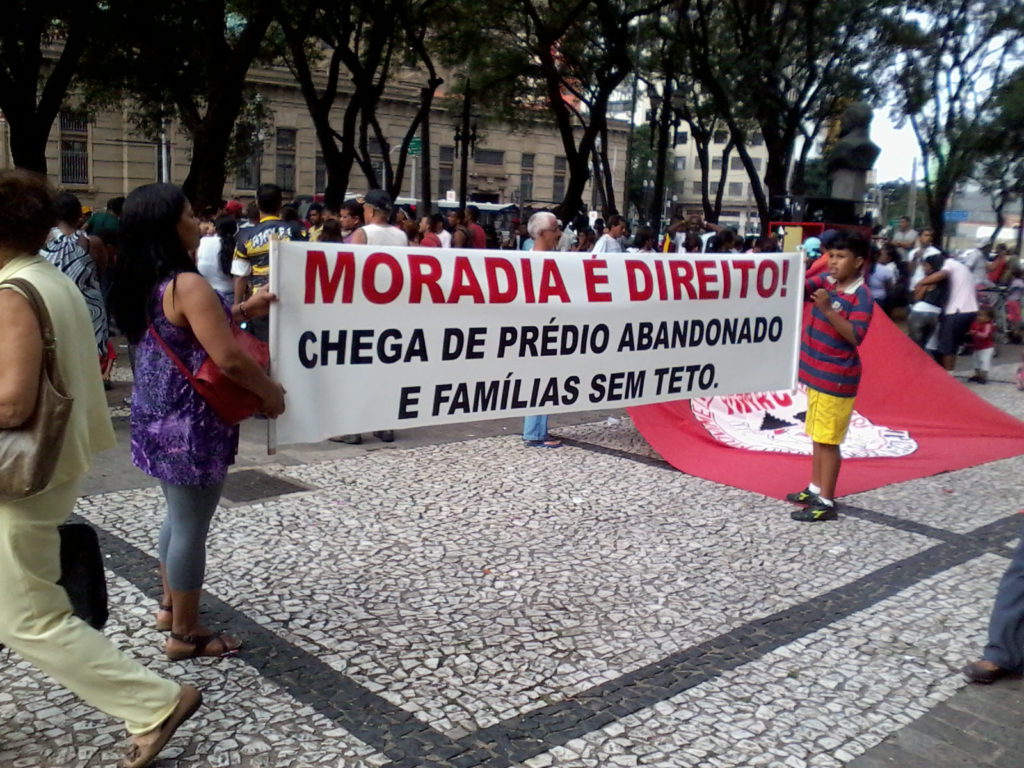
x,y
175,285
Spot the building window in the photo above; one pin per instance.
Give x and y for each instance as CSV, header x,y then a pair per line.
x,y
445,171
321,174
285,176
721,137
716,163
757,163
680,163
736,164
697,188
489,157
248,176
558,185
74,148
714,187
682,137
756,140
735,189
526,178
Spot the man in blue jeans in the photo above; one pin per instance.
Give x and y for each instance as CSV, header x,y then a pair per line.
x,y
545,230
1004,654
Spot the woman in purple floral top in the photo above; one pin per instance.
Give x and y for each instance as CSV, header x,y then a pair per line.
x,y
176,436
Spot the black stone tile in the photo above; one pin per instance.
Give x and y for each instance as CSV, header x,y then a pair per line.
x,y
247,485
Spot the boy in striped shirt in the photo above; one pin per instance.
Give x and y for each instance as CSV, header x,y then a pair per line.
x,y
830,367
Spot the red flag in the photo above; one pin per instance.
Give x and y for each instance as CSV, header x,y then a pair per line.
x,y
912,419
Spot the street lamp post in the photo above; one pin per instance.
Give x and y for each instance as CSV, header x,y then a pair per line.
x,y
465,137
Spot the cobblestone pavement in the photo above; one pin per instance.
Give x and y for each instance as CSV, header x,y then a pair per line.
x,y
455,599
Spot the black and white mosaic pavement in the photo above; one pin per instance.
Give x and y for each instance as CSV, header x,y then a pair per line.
x,y
479,603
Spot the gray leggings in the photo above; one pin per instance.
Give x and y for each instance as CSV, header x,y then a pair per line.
x,y
182,545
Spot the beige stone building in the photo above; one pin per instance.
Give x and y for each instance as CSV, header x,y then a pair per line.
x,y
739,209
99,156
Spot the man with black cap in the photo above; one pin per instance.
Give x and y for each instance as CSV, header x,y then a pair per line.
x,y
378,230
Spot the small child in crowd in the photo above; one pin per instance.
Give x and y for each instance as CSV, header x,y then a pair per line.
x,y
983,332
830,367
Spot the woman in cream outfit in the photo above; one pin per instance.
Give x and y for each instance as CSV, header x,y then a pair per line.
x,y
35,615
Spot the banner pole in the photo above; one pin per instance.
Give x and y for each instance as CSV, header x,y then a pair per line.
x,y
275,244
799,320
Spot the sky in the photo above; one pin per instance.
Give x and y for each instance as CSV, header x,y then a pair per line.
x,y
899,148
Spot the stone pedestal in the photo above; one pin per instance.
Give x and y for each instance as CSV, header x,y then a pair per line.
x,y
848,185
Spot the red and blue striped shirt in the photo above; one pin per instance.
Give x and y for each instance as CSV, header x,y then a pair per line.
x,y
828,362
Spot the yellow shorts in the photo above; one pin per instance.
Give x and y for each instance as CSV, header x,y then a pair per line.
x,y
828,417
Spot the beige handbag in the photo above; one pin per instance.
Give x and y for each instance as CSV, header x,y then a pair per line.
x,y
29,453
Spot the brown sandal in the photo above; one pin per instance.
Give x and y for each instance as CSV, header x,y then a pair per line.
x,y
200,646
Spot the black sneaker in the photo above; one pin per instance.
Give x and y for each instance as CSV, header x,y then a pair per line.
x,y
806,496
815,513
385,435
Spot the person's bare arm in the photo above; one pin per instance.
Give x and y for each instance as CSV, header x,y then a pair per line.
x,y
21,359
241,287
359,237
935,277
192,300
459,239
99,253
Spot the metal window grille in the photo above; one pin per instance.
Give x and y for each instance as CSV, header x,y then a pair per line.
x,y
74,148
558,185
285,171
526,187
248,176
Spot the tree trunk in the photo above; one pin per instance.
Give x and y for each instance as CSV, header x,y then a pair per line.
x,y
28,141
776,180
661,156
763,212
722,178
704,158
204,185
578,169
597,195
609,181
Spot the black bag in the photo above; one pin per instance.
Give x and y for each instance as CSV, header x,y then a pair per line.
x,y
82,574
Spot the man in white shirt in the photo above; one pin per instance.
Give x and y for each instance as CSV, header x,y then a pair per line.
x,y
961,308
923,250
609,241
904,237
974,259
545,231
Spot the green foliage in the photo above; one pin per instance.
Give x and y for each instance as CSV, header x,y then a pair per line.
x,y
642,160
952,59
815,178
781,66
41,50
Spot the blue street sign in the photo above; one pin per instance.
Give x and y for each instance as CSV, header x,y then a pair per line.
x,y
955,216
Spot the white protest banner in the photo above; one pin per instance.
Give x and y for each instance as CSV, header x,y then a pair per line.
x,y
370,337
